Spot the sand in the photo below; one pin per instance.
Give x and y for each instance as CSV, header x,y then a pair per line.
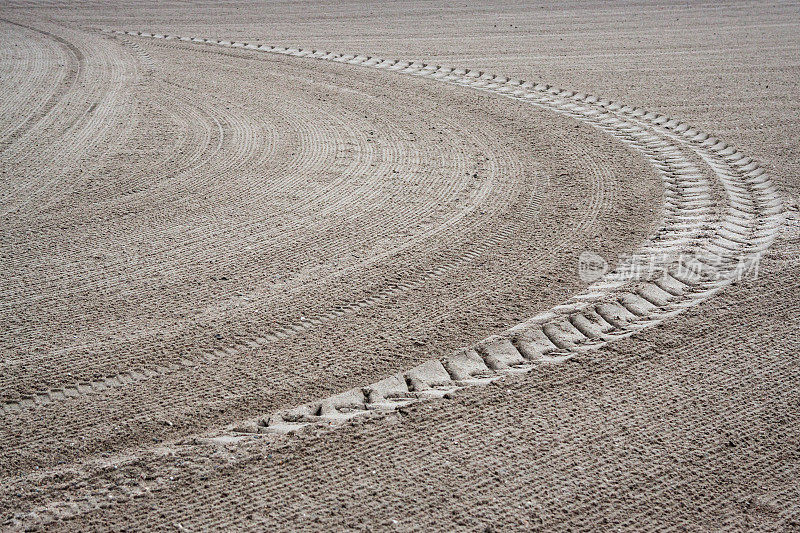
x,y
186,255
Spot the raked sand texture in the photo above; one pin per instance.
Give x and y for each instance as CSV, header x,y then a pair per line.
x,y
316,266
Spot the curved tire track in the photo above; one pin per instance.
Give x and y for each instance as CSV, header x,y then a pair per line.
x,y
699,252
720,248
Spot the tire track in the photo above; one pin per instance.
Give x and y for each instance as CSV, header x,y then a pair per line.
x,y
618,305
31,399
687,200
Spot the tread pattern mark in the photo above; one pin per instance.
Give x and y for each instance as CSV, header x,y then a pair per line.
x,y
700,248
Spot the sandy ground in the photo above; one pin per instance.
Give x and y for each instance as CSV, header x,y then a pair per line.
x,y
161,224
